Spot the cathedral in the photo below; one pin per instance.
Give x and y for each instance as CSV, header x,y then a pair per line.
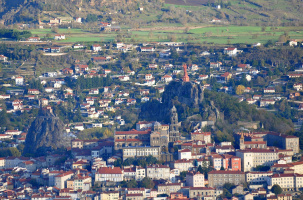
x,y
153,134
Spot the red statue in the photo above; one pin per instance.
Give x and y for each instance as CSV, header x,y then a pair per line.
x,y
185,77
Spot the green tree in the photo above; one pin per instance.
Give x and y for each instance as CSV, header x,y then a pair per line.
x,y
276,189
183,175
14,152
147,183
132,184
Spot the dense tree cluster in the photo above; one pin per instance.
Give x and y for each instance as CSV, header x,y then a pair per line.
x,y
14,34
149,160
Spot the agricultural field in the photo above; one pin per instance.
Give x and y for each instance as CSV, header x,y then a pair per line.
x,y
76,35
221,34
193,34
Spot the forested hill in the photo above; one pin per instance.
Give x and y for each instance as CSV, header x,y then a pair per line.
x,y
185,12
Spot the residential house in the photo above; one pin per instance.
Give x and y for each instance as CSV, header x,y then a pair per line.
x,y
19,80
3,58
96,47
267,102
59,37
269,90
60,179
147,49
231,51
166,78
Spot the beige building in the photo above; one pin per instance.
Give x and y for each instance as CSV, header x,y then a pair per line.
x,y
134,152
137,191
169,188
82,182
297,167
188,164
195,179
110,195
219,178
258,177
114,174
133,197
202,136
288,182
157,172
212,193
137,173
287,142
60,179
252,158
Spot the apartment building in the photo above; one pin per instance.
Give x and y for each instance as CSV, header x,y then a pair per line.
x,y
157,172
288,182
114,174
169,188
258,177
202,136
137,173
135,152
226,161
195,179
133,197
188,164
251,158
209,192
287,142
219,178
60,179
110,195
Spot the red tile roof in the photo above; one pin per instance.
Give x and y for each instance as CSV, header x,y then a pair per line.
x,y
110,170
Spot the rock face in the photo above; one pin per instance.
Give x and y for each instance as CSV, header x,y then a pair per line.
x,y
46,131
187,94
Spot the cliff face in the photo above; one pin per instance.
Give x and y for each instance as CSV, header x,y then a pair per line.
x,y
187,93
183,95
46,131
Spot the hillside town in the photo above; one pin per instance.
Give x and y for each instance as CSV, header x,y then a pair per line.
x,y
156,160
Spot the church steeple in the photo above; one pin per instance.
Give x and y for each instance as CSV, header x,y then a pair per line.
x,y
185,77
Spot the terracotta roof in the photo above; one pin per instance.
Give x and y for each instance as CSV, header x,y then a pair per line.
x,y
132,132
109,170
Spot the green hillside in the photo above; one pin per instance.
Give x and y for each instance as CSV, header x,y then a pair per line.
x,y
156,12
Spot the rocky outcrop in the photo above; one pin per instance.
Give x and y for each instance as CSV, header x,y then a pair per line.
x,y
182,94
187,93
46,132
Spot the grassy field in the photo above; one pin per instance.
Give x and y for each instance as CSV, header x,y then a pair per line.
x,y
210,34
76,35
221,34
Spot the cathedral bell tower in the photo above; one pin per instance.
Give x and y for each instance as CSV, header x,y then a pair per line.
x,y
174,133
